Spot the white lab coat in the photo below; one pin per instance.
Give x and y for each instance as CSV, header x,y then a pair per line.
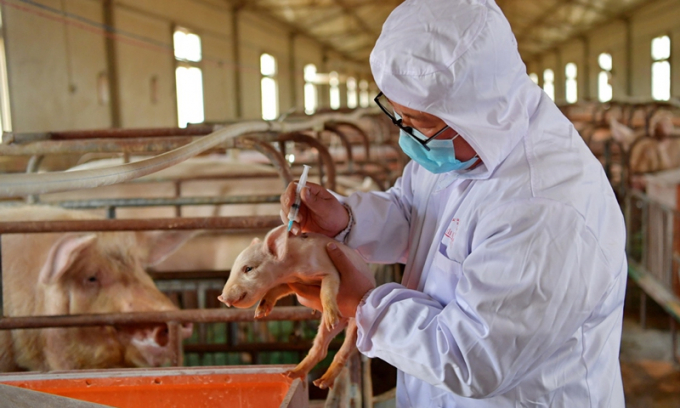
x,y
515,271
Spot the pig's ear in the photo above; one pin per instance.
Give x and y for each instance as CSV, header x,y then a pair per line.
x,y
276,242
622,133
159,245
62,255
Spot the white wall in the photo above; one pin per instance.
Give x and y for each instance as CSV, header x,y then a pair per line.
x,y
659,18
54,62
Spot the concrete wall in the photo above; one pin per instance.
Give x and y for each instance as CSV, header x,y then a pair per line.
x,y
59,63
629,43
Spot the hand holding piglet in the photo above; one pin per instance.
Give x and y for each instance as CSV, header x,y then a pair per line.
x,y
354,285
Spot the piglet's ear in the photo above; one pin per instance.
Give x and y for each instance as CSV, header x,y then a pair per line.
x,y
276,242
63,254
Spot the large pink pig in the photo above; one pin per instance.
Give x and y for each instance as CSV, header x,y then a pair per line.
x,y
262,273
77,273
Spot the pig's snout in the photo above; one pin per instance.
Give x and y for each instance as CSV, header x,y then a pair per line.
x,y
161,334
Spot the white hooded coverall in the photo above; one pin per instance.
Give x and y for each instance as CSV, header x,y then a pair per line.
x,y
515,271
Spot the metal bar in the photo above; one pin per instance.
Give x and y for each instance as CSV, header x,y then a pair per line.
x,y
364,137
189,275
275,158
143,318
298,345
108,134
165,201
654,288
330,127
141,145
223,223
324,155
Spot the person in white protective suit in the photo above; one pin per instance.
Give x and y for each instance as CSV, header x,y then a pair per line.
x,y
513,240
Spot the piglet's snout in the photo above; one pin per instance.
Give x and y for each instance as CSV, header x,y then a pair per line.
x,y
232,297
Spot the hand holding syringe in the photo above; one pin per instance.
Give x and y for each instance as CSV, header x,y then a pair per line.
x,y
295,208
312,208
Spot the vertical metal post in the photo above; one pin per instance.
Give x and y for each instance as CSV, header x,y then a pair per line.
x,y
366,382
643,309
112,63
630,79
236,46
668,276
175,343
674,339
178,193
627,214
2,300
586,67
645,237
292,75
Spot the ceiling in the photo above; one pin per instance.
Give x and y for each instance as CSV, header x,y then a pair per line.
x,y
351,27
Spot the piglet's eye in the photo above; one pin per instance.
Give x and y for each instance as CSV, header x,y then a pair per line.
x,y
247,269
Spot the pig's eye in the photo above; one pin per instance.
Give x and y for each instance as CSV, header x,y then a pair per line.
x,y
247,269
92,279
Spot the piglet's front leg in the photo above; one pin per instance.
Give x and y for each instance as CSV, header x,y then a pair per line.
x,y
269,300
330,285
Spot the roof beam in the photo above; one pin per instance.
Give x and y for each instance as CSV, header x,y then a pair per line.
x,y
541,18
253,6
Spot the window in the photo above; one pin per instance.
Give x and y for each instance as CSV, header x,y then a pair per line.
x,y
363,93
534,77
661,68
311,98
549,83
571,85
189,77
352,100
269,88
334,83
604,86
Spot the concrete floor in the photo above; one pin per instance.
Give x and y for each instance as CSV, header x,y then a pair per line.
x,y
651,378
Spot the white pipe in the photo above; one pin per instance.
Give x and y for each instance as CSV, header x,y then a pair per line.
x,y
18,185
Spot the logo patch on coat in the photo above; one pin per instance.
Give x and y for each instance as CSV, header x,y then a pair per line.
x,y
449,235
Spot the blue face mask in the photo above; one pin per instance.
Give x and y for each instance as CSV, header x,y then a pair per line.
x,y
441,158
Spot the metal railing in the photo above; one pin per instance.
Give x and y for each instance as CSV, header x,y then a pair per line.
x,y
653,248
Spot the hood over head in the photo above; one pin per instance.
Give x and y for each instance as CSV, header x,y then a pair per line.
x,y
458,60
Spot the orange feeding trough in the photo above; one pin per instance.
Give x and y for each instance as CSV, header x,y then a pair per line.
x,y
204,387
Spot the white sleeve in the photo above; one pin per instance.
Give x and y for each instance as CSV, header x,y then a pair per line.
x,y
534,274
382,221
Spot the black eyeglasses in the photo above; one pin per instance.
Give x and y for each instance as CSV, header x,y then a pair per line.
x,y
382,101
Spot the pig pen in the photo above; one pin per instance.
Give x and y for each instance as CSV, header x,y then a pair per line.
x,y
230,341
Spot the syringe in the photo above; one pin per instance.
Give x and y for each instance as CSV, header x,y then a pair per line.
x,y
292,214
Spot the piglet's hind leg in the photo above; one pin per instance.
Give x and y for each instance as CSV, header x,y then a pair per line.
x,y
318,351
341,357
